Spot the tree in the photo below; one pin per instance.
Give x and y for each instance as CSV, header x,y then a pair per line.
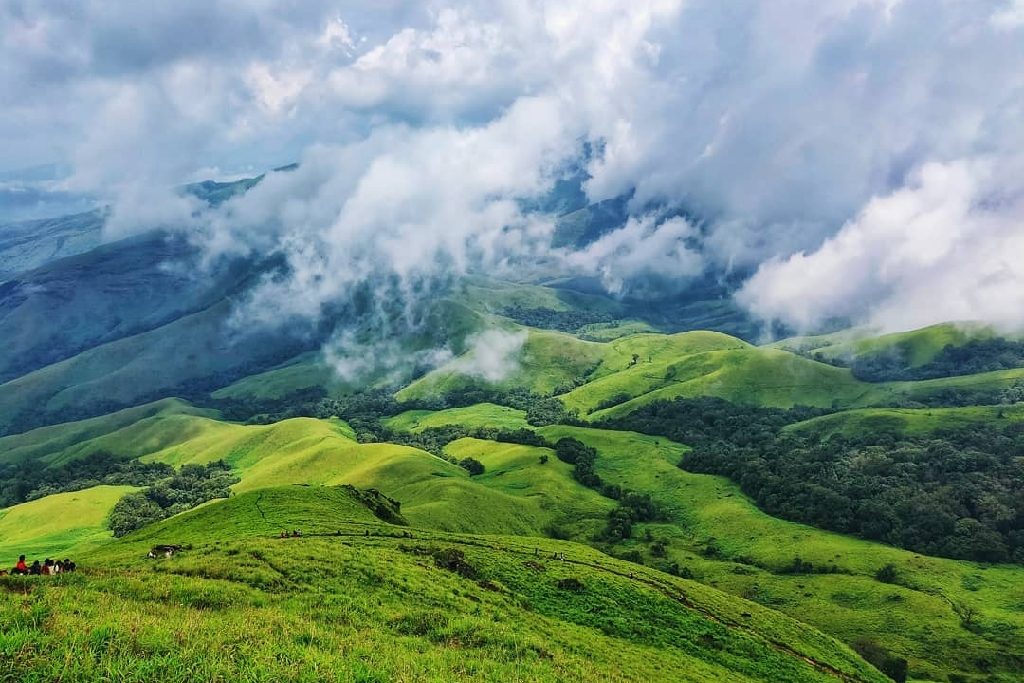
x,y
472,465
887,573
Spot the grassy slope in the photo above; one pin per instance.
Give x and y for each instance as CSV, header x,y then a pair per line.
x,y
130,369
112,432
305,371
57,525
752,547
983,381
240,606
745,375
518,494
479,415
921,345
909,421
435,493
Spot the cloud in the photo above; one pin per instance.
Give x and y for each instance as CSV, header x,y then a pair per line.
x,y
644,248
493,355
944,248
799,136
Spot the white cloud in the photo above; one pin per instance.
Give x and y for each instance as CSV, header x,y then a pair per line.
x,y
1010,16
493,355
644,247
804,134
944,248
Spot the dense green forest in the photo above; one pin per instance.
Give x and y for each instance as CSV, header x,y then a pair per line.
x,y
954,492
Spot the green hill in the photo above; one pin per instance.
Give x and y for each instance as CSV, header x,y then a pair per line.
x,y
751,375
114,433
918,346
719,536
58,524
709,531
479,415
396,604
907,421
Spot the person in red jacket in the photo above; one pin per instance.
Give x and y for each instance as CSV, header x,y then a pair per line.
x,y
21,567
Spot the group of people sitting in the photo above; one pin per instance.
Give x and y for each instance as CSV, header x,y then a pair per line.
x,y
290,534
47,568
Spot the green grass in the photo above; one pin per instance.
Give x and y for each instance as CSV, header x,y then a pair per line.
x,y
920,345
886,392
59,524
908,421
750,548
237,605
518,494
306,371
471,417
606,332
113,432
750,375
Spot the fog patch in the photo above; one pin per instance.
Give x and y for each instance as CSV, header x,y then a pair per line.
x,y
493,355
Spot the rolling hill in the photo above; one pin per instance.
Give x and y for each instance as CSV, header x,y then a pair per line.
x,y
381,602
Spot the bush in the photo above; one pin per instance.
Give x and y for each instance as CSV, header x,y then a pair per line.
x,y
472,465
887,574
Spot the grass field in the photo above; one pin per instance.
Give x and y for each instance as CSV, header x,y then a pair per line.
x,y
58,524
920,346
749,550
908,421
712,532
743,375
384,603
476,416
112,432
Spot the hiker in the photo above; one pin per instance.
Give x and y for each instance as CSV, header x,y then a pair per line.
x,y
20,567
297,533
67,565
48,567
35,569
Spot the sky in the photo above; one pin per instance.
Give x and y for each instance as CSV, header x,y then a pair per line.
x,y
855,159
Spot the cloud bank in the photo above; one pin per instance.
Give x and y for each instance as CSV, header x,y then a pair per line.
x,y
855,159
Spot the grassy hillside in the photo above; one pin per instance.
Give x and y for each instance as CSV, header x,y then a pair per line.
x,y
192,350
919,346
113,432
907,421
57,525
718,535
479,415
433,491
751,375
240,606
712,531
304,372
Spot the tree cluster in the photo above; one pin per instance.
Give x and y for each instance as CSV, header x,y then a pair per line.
x,y
977,355
550,319
957,492
20,482
183,490
632,506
